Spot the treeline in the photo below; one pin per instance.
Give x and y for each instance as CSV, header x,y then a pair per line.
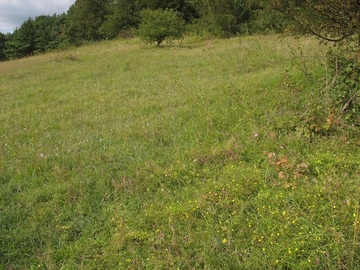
x,y
44,33
94,20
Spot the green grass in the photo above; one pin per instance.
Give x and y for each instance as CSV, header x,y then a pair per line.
x,y
203,156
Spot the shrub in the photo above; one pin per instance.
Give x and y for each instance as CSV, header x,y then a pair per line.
x,y
344,63
159,25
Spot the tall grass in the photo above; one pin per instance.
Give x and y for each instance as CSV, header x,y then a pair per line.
x,y
115,156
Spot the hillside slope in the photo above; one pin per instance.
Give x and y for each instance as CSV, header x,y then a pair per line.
x,y
200,156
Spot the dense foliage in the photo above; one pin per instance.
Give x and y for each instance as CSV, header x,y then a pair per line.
x,y
225,17
93,20
335,22
331,20
44,33
159,25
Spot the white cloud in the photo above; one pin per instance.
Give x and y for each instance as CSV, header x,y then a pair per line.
x,y
14,12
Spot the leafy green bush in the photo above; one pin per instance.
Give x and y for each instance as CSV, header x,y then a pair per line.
x,y
159,25
345,66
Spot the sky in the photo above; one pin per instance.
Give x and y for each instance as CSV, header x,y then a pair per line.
x,y
14,12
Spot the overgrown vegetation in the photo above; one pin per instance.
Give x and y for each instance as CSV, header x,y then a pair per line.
x,y
335,22
344,88
94,20
332,21
221,154
87,21
159,25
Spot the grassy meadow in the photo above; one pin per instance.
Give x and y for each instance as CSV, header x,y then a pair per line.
x,y
216,154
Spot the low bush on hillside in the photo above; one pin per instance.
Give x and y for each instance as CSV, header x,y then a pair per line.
x,y
160,25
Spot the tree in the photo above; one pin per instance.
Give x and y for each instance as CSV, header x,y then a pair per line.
x,y
2,47
22,41
331,20
85,18
57,33
34,36
122,15
185,7
42,28
159,25
265,18
338,22
225,17
48,32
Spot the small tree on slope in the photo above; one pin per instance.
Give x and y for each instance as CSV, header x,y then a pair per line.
x,y
159,25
